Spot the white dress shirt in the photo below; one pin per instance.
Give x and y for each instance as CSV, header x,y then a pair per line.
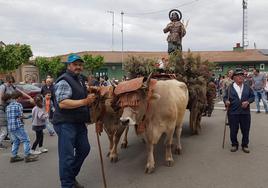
x,y
238,90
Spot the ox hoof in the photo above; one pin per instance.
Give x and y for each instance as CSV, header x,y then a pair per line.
x,y
195,133
177,151
149,170
124,145
169,163
114,159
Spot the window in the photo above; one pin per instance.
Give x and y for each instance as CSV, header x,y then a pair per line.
x,y
219,68
262,66
101,72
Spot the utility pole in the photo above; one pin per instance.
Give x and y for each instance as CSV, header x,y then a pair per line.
x,y
245,24
122,32
112,12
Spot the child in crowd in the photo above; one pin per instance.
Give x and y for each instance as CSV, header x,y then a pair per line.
x,y
49,109
16,130
39,117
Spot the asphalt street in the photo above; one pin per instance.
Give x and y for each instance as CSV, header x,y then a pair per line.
x,y
202,164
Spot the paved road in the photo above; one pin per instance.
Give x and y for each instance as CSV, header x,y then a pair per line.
x,y
203,163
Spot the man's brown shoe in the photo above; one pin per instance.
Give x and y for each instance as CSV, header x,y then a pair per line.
x,y
31,158
16,159
77,184
245,150
234,148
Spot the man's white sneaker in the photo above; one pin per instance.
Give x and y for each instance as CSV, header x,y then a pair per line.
x,y
35,152
43,150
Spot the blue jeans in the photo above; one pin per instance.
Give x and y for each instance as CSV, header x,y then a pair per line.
x,y
17,137
260,94
73,148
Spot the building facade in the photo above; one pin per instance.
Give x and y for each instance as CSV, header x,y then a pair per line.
x,y
224,60
113,67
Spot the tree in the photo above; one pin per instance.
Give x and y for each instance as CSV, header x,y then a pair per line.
x,y
92,63
49,66
14,55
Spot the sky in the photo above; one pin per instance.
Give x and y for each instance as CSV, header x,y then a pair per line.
x,y
56,27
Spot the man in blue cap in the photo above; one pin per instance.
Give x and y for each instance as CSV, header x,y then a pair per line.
x,y
71,113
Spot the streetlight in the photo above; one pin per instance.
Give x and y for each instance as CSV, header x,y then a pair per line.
x,y
112,12
122,31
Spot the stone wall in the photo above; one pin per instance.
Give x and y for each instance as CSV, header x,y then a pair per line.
x,y
25,73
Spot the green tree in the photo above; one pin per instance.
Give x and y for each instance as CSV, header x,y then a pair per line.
x,y
92,63
49,66
14,55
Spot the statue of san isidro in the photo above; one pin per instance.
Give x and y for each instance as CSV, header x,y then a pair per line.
x,y
176,31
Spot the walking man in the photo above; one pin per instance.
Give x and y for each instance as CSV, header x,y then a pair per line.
x,y
71,114
237,100
258,85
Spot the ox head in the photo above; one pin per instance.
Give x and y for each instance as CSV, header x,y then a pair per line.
x,y
104,98
134,104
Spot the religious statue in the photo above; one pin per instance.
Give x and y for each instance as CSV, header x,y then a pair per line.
x,y
176,31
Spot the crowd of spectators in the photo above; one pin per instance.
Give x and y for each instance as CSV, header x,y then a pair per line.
x,y
255,79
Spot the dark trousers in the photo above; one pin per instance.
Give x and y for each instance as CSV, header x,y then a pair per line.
x,y
39,139
73,148
242,121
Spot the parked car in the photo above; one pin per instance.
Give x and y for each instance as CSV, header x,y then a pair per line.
x,y
30,90
37,84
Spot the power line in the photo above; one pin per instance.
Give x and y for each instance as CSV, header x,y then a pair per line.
x,y
159,11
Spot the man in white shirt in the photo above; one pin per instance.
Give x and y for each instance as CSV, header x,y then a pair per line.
x,y
237,99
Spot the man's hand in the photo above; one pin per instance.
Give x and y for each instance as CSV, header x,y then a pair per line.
x,y
31,100
90,99
245,104
227,103
99,127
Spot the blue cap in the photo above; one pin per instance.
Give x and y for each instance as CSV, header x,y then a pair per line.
x,y
74,57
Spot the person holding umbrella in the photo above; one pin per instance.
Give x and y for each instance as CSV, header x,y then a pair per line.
x,y
237,100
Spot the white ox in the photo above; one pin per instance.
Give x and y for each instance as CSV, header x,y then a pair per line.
x,y
162,112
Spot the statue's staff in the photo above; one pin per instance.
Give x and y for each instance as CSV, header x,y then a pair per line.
x,y
187,22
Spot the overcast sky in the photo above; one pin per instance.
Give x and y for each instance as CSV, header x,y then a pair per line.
x,y
55,27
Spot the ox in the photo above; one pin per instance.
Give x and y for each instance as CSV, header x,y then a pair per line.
x,y
197,104
160,106
105,112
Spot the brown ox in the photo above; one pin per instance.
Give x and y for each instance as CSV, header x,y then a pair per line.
x,y
104,111
197,103
162,111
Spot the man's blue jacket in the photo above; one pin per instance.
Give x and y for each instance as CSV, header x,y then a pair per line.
x,y
235,103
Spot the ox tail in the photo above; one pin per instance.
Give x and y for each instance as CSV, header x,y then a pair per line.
x,y
185,89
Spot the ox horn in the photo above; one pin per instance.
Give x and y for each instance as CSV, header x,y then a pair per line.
x,y
146,84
